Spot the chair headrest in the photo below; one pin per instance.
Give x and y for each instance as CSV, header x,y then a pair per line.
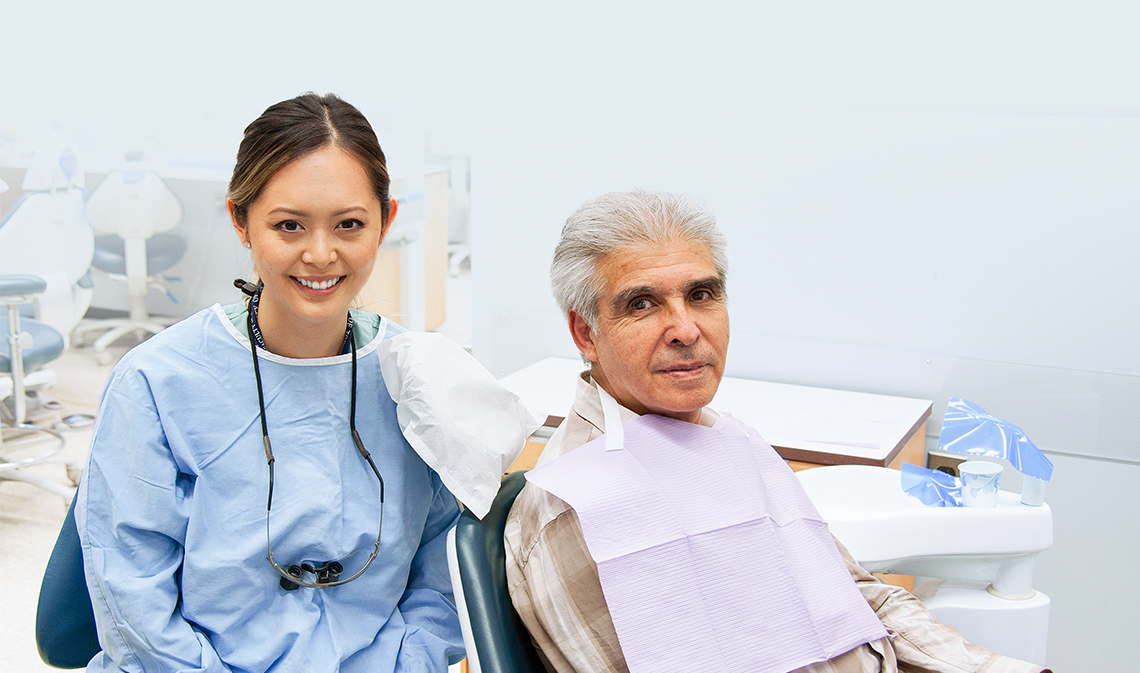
x,y
133,205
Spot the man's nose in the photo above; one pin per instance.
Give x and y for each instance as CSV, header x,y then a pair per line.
x,y
683,329
321,250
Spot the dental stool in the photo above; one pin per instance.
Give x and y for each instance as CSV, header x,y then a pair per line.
x,y
977,562
133,210
31,344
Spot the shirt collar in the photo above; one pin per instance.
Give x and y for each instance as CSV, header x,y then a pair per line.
x,y
588,405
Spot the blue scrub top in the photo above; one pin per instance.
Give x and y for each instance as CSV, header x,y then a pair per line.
x,y
172,517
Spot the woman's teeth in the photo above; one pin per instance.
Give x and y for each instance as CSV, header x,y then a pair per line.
x,y
320,286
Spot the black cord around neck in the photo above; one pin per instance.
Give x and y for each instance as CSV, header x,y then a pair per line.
x,y
265,425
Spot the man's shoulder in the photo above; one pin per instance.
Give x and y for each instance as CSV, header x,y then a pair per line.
x,y
535,509
539,507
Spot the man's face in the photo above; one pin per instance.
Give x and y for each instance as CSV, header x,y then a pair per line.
x,y
662,332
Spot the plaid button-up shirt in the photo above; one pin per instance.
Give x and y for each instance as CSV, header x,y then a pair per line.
x,y
555,588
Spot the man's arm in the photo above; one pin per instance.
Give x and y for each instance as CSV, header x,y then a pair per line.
x,y
919,641
555,588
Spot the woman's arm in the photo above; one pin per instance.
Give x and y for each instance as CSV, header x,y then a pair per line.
x,y
432,637
132,518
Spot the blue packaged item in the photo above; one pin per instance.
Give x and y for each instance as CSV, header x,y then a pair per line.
x,y
968,429
932,487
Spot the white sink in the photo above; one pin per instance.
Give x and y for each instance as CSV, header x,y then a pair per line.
x,y
887,530
983,556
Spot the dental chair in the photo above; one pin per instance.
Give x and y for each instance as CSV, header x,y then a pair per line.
x,y
495,637
46,234
977,562
134,211
30,345
46,246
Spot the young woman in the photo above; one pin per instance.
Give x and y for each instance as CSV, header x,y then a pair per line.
x,y
251,502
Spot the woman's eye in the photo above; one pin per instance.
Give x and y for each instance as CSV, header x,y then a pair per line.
x,y
350,224
289,225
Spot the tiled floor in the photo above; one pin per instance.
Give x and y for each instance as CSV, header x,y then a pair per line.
x,y
30,518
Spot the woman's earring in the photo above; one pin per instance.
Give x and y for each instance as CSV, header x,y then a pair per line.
x,y
248,245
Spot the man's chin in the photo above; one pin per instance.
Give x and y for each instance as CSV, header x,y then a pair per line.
x,y
690,398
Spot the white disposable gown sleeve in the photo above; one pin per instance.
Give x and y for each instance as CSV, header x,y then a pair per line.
x,y
132,517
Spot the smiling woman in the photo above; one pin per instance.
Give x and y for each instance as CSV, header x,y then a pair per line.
x,y
313,210
189,564
313,231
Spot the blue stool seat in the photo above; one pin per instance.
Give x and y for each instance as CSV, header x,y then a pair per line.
x,y
162,252
47,345
65,621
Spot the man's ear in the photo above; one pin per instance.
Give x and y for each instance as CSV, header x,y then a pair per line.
x,y
583,336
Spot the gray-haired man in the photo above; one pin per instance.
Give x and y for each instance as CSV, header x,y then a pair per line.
x,y
641,278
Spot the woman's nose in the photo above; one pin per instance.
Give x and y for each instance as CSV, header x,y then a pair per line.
x,y
321,252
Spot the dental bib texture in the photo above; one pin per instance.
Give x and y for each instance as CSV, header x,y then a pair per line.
x,y
710,554
453,412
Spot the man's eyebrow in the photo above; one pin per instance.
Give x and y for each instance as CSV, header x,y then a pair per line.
x,y
623,298
714,284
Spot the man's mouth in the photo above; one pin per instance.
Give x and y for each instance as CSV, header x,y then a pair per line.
x,y
322,285
686,367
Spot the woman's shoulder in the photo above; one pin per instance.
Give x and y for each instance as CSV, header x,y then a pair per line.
x,y
187,339
367,326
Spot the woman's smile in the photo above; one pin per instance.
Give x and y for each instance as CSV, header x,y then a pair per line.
x,y
319,285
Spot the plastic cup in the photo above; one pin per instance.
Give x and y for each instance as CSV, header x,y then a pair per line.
x,y
979,483
1032,491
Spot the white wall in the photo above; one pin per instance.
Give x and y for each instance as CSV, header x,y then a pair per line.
x,y
935,199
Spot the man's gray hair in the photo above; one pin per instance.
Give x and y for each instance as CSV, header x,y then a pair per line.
x,y
618,220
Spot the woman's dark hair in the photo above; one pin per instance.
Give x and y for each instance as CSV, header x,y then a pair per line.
x,y
293,128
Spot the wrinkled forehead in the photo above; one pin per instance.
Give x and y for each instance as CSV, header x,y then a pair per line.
x,y
674,263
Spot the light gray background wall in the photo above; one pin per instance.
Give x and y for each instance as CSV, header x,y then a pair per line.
x,y
936,199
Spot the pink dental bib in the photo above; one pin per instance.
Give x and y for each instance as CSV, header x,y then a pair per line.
x,y
711,556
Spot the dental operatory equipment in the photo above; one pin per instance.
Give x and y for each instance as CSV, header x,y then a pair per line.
x,y
933,488
968,429
973,565
135,210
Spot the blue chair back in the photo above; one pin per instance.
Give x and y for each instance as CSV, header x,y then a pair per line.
x,y
503,642
65,622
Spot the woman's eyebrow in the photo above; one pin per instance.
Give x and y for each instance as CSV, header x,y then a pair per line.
x,y
288,211
301,213
350,209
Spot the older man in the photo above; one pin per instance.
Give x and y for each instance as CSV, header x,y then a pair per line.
x,y
641,279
